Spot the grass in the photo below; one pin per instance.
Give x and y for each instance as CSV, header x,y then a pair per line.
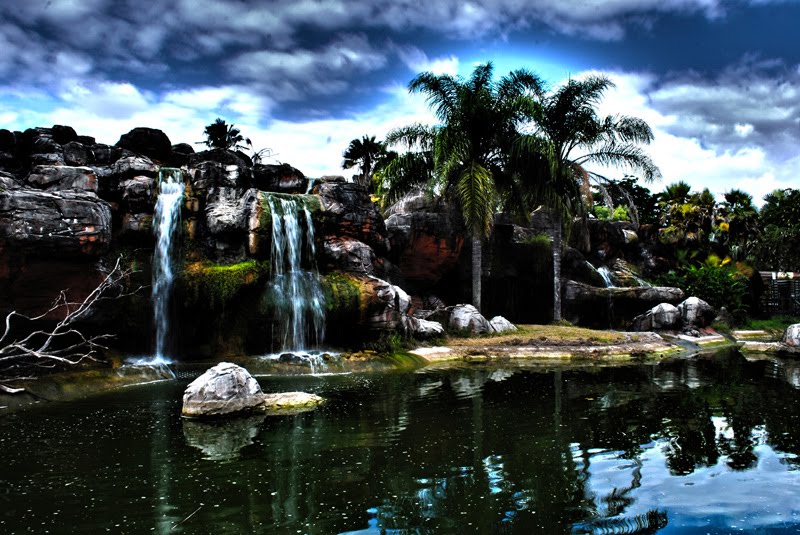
x,y
542,334
773,324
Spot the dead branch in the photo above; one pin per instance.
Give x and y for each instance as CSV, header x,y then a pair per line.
x,y
63,344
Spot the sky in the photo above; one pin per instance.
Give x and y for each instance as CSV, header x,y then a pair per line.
x,y
718,81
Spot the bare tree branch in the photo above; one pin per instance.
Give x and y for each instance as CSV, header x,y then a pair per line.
x,y
62,344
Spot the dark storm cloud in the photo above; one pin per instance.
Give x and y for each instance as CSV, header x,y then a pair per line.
x,y
754,103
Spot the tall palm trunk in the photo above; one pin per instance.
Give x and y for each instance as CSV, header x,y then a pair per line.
x,y
557,271
477,270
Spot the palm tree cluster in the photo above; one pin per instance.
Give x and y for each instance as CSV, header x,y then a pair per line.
x,y
511,145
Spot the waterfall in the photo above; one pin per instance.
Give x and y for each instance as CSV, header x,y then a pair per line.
x,y
296,293
608,276
165,223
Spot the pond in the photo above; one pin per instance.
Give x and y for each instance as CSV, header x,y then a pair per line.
x,y
703,445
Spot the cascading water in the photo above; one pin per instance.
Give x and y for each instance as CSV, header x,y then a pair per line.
x,y
165,223
296,293
608,276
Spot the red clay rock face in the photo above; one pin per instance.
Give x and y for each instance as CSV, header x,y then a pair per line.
x,y
427,258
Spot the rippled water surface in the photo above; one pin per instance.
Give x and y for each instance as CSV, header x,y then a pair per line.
x,y
707,445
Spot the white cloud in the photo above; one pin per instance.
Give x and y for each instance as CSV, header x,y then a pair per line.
x,y
686,157
417,61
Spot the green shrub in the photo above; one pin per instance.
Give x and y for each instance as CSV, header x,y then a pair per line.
x,y
602,212
620,214
718,284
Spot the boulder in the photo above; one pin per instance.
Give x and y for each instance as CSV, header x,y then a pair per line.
x,y
138,194
791,337
76,154
501,325
661,317
467,318
137,228
228,389
219,168
224,389
62,177
149,142
425,329
58,223
282,178
348,254
104,154
131,166
696,313
226,212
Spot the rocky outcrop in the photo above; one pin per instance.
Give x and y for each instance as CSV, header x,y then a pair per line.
x,y
689,316
348,254
601,307
63,177
282,178
56,224
348,211
228,389
426,239
147,141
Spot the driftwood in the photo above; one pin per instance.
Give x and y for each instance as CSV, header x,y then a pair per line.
x,y
62,344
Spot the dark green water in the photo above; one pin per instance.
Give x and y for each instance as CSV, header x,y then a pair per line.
x,y
702,446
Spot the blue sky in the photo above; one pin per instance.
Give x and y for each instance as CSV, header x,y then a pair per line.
x,y
719,81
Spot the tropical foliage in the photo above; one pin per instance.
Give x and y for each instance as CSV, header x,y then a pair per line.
x,y
221,135
464,157
368,156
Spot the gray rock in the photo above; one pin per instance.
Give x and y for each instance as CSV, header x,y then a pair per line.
x,y
467,318
226,211
281,178
426,329
696,313
131,166
59,223
149,142
791,337
500,325
224,389
63,177
138,193
661,317
349,254
76,154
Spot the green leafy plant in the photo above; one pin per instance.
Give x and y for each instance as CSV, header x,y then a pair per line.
x,y
620,214
716,282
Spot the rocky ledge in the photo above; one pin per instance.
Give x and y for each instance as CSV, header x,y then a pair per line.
x,y
227,389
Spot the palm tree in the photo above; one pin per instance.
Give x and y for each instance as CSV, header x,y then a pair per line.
x,y
741,218
220,135
465,155
366,154
568,135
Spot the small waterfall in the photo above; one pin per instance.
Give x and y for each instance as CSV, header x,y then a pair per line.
x,y
608,276
165,223
296,293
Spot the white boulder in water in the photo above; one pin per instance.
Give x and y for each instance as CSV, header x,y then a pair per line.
x,y
230,389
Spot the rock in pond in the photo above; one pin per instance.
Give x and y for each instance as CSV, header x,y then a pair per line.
x,y
467,318
228,389
792,336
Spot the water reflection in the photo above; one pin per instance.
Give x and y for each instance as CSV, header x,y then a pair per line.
x,y
222,440
708,445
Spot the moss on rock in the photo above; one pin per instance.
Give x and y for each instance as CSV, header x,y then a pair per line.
x,y
219,283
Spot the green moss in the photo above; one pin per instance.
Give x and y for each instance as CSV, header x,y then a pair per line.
x,y
343,294
219,283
